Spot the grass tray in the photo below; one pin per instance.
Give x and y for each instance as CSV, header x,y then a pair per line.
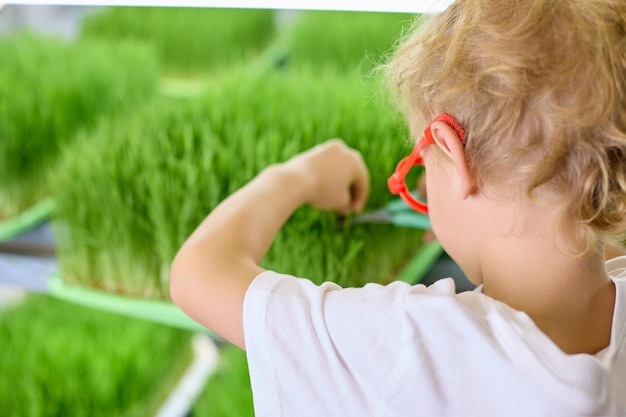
x,y
60,359
424,259
161,312
12,227
167,313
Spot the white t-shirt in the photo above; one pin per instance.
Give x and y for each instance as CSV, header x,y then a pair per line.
x,y
401,350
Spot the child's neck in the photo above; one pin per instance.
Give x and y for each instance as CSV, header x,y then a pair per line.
x,y
571,299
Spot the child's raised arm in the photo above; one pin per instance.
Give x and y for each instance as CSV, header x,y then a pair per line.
x,y
213,269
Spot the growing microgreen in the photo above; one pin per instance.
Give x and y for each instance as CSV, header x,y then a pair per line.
x,y
59,359
344,40
228,392
140,185
188,40
50,89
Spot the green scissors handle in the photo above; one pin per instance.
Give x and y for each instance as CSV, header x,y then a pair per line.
x,y
398,213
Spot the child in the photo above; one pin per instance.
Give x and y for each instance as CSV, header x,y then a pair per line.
x,y
524,106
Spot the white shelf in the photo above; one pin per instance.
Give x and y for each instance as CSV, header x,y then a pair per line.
x,y
406,6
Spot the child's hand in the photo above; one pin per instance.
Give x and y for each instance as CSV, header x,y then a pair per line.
x,y
209,281
335,176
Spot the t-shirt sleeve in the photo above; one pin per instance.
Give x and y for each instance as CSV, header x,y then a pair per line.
x,y
306,342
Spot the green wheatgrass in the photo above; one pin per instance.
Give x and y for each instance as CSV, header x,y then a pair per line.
x,y
140,185
50,89
188,40
59,359
344,40
228,392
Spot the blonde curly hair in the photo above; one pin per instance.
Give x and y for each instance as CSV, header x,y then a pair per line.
x,y
540,88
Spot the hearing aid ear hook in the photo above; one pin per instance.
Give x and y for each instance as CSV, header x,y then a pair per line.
x,y
397,181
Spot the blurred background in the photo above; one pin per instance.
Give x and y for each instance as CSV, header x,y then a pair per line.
x,y
63,21
120,129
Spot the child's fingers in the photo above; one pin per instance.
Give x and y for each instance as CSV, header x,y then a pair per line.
x,y
360,188
338,174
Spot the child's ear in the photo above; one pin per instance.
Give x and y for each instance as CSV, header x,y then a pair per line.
x,y
450,143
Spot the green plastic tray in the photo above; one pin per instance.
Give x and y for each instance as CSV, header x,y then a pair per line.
x,y
28,219
162,312
424,259
167,313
